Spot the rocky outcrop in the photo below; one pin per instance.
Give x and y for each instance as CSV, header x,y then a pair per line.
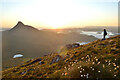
x,y
74,45
56,59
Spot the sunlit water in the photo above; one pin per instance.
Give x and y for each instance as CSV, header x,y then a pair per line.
x,y
96,34
82,43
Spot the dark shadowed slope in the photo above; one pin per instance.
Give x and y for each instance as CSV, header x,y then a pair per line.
x,y
21,27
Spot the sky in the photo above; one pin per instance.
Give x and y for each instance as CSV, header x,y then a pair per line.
x,y
59,13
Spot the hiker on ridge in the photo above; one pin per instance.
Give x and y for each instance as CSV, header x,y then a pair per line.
x,y
104,34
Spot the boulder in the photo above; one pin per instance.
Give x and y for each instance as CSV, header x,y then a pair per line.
x,y
41,62
74,45
56,59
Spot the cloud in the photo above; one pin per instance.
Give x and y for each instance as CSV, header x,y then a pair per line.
x,y
17,1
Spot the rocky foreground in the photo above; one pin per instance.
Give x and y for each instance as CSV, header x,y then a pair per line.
x,y
95,60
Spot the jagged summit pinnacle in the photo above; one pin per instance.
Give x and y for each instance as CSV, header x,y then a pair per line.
x,y
19,22
21,27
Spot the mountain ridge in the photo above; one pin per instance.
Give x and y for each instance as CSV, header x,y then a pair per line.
x,y
20,26
95,60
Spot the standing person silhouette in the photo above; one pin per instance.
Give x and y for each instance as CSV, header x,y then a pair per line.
x,y
104,34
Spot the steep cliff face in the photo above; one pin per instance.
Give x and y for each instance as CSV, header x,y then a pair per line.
x,y
95,60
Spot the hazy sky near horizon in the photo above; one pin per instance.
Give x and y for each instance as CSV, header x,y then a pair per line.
x,y
59,13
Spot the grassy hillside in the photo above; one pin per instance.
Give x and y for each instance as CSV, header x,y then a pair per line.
x,y
32,43
98,59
